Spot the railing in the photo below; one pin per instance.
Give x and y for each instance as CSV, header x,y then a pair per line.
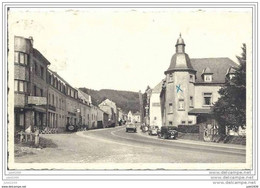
x,y
49,130
29,137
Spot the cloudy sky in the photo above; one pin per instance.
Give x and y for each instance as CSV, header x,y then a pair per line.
x,y
128,49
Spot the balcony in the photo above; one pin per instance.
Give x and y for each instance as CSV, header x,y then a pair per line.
x,y
37,100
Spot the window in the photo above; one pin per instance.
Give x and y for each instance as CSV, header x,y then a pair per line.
x,y
42,72
21,120
191,101
36,68
26,59
41,92
170,122
16,85
21,86
170,108
52,99
170,77
189,122
181,104
20,57
49,98
183,122
207,98
34,91
191,78
16,57
51,80
155,118
207,78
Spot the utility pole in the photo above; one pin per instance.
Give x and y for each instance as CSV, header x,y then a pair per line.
x,y
141,107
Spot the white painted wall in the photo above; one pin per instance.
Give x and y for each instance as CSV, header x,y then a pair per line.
x,y
155,110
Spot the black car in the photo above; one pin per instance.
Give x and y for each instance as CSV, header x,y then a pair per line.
x,y
167,132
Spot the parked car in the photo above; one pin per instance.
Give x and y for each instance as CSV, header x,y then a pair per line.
x,y
153,130
167,132
131,127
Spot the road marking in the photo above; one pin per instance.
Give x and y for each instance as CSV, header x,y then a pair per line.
x,y
107,141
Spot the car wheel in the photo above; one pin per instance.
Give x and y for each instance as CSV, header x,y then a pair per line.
x,y
164,136
126,130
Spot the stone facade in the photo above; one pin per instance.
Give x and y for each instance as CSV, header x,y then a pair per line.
x,y
191,87
43,99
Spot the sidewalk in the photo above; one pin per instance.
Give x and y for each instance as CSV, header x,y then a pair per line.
x,y
194,142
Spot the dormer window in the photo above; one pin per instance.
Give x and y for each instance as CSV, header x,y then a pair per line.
x,y
207,75
207,78
230,73
191,78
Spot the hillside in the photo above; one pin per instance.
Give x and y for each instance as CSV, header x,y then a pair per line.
x,y
126,100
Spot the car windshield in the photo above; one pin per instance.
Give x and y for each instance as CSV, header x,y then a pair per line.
x,y
156,127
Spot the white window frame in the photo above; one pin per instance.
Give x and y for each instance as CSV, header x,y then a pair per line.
x,y
207,94
181,107
208,78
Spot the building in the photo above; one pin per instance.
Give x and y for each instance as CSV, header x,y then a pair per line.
x,y
85,109
130,117
110,108
191,87
44,100
136,117
155,106
30,86
56,104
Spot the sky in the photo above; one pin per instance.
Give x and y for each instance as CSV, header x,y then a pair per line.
x,y
128,49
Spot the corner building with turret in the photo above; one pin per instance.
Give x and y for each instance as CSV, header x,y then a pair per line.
x,y
191,86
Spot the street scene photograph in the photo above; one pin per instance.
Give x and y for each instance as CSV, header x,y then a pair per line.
x,y
133,87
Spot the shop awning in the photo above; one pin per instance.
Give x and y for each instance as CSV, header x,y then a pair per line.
x,y
197,111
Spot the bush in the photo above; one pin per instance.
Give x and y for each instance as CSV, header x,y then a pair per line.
x,y
188,128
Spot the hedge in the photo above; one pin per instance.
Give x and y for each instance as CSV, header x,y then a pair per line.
x,y
188,128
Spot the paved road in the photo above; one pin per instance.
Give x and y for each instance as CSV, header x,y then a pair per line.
x,y
114,145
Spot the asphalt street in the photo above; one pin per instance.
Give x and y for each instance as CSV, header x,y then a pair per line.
x,y
115,145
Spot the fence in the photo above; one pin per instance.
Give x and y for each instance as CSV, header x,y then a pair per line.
x,y
29,137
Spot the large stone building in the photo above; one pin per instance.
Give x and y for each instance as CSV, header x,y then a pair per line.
x,y
44,100
30,86
191,86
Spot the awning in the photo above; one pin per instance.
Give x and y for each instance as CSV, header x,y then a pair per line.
x,y
197,111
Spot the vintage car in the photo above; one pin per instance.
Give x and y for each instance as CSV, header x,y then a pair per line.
x,y
153,130
131,127
167,132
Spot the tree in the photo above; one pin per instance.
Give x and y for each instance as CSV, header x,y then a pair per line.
x,y
230,109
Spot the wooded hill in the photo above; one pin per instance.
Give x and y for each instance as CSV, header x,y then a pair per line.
x,y
126,100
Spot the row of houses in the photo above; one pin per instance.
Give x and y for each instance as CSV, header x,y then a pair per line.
x,y
190,88
44,100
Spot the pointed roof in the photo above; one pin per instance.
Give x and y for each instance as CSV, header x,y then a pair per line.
x,y
158,87
207,71
180,61
180,41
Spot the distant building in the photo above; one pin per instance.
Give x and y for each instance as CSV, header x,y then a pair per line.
x,y
137,117
110,108
155,106
191,87
130,117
